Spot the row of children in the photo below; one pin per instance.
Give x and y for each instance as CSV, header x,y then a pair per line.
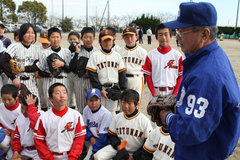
x,y
60,132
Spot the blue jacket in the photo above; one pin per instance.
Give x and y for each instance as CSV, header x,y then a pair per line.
x,y
207,120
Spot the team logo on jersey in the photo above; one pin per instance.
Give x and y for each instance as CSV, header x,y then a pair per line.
x,y
68,127
170,65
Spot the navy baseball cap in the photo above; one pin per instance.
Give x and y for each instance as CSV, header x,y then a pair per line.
x,y
105,34
93,92
194,14
129,30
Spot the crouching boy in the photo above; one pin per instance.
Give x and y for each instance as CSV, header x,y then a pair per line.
x,y
127,132
97,119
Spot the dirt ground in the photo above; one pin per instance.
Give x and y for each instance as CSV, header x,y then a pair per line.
x,y
231,47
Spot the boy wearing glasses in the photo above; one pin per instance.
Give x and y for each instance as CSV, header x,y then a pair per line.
x,y
163,67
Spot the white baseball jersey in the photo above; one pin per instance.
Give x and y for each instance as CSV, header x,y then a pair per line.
x,y
47,82
97,122
133,59
163,67
25,56
133,130
81,85
58,129
25,134
160,145
106,65
8,115
116,48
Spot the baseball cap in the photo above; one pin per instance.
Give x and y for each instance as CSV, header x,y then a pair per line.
x,y
194,14
2,24
43,37
93,92
129,30
105,34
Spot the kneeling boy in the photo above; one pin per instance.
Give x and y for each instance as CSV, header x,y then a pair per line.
x,y
131,127
97,119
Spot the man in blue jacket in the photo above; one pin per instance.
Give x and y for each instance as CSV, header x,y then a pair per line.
x,y
206,124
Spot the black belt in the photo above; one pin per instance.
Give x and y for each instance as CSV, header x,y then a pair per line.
x,y
24,78
109,84
131,75
59,77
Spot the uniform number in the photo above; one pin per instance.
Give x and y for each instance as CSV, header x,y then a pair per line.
x,y
201,102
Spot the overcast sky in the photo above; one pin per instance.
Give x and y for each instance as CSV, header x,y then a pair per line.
x,y
226,9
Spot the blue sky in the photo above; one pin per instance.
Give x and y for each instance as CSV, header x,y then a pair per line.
x,y
226,9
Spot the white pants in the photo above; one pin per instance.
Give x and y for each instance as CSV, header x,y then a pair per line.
x,y
110,104
3,79
136,83
72,99
106,153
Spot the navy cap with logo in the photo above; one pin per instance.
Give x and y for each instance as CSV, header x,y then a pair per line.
x,y
194,14
105,34
93,92
129,30
2,24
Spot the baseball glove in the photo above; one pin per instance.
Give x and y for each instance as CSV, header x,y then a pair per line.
x,y
159,103
122,155
81,65
15,66
50,59
114,93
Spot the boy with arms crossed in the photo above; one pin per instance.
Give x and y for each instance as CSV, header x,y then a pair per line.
x,y
59,132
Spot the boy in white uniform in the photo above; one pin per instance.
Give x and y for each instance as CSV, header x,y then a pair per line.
x,y
59,132
106,70
10,109
162,68
130,126
133,57
97,119
55,37
22,142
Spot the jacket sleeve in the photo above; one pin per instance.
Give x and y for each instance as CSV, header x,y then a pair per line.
x,y
15,141
40,143
122,80
94,80
4,61
33,115
179,79
78,142
198,113
113,140
101,142
73,63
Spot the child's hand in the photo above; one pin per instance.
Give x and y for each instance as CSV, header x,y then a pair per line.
x,y
57,63
104,93
92,141
77,48
16,156
7,132
29,99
